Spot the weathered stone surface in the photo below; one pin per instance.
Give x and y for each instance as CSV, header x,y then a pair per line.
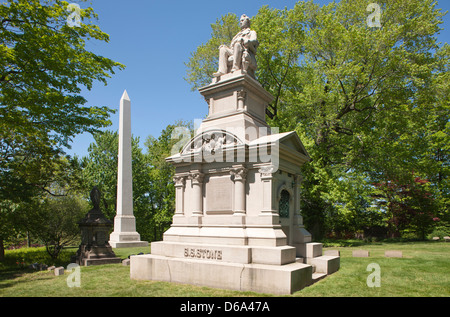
x,y
332,252
360,254
325,264
393,254
59,271
275,279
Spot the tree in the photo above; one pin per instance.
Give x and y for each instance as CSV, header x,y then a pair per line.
x,y
100,169
43,66
161,187
409,206
45,216
54,220
203,62
370,104
153,188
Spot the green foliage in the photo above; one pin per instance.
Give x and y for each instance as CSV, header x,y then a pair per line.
x,y
161,186
370,104
100,169
203,62
153,189
43,66
50,215
54,221
23,257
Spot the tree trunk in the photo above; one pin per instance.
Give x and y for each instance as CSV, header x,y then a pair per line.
x,y
2,250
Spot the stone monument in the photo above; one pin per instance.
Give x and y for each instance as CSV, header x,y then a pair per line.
x,y
124,234
94,248
237,223
241,52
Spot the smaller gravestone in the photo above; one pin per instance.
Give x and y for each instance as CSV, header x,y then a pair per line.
x,y
435,238
447,239
332,252
94,248
393,254
59,271
126,262
360,254
51,268
34,266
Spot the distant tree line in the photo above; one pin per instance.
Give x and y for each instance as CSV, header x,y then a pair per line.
x,y
371,105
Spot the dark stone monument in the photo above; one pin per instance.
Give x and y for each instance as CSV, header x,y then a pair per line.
x,y
94,248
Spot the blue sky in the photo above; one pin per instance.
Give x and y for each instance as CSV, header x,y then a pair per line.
x,y
154,39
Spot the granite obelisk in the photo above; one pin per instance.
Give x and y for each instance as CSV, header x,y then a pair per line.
x,y
124,234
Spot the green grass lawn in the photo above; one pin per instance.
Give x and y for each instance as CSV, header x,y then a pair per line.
x,y
423,271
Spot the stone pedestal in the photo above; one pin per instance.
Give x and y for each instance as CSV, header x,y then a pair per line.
x,y
237,223
94,248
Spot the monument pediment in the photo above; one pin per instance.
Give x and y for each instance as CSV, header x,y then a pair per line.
x,y
211,141
289,143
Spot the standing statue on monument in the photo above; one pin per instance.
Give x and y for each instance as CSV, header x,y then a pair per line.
x,y
241,54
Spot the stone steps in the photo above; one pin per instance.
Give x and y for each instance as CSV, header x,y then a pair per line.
x,y
322,266
317,277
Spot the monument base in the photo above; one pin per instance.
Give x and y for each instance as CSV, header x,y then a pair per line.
x,y
128,244
262,278
126,240
262,269
95,255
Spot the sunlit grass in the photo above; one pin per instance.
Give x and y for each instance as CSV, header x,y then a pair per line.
x,y
423,271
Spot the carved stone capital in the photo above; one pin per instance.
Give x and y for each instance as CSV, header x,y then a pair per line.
x,y
239,173
196,177
266,171
241,94
179,181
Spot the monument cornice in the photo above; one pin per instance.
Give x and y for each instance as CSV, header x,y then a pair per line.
x,y
233,81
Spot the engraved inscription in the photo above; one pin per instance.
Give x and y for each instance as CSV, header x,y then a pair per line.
x,y
219,194
208,254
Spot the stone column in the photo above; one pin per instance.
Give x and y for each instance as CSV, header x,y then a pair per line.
x,y
241,94
197,183
179,195
239,174
267,193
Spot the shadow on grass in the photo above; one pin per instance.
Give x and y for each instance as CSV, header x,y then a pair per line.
x,y
16,262
10,274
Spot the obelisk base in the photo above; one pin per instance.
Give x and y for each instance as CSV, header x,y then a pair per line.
x,y
126,243
124,235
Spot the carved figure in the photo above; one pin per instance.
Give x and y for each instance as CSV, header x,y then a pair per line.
x,y
241,52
